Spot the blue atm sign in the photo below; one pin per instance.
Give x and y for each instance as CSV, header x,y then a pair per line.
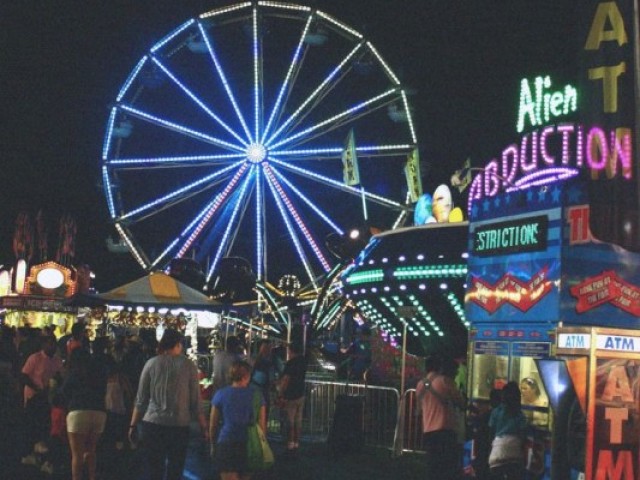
x,y
618,343
615,343
574,340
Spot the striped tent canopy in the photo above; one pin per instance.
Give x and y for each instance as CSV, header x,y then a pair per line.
x,y
160,290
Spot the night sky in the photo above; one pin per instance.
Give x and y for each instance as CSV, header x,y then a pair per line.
x,y
62,63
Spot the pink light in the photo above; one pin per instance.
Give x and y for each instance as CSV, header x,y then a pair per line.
x,y
548,159
511,152
566,131
294,214
518,168
597,144
533,164
621,146
475,191
580,146
219,200
491,181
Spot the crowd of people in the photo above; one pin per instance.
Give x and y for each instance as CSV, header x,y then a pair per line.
x,y
63,399
81,409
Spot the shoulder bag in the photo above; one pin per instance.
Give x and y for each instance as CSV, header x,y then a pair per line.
x,y
259,453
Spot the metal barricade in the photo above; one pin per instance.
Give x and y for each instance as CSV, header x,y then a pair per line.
x,y
379,416
409,425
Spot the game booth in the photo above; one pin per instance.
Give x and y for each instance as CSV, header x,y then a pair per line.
x,y
39,297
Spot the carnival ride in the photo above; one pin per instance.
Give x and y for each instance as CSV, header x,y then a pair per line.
x,y
227,139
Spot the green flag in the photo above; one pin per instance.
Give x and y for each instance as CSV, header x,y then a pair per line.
x,y
350,169
412,172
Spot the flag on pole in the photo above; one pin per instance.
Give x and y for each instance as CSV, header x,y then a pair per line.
x,y
350,169
462,178
412,172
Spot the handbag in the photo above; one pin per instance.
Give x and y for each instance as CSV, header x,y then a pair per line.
x,y
259,453
506,449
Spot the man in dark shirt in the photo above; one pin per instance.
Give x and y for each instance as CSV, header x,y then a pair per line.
x,y
292,391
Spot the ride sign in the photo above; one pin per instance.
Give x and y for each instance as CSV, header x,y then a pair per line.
x,y
513,236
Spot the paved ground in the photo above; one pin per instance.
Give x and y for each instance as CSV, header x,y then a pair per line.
x,y
314,461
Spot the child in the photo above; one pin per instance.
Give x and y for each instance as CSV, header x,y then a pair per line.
x,y
56,453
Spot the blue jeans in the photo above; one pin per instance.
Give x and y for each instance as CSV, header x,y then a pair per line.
x,y
165,446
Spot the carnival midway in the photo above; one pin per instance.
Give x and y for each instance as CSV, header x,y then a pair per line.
x,y
485,327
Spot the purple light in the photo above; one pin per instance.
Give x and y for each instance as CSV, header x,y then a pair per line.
x,y
520,166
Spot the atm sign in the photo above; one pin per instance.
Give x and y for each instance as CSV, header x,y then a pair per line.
x,y
618,343
574,340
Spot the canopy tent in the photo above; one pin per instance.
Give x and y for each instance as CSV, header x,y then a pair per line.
x,y
154,290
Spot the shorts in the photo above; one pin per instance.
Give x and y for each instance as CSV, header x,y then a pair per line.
x,y
231,457
293,408
86,421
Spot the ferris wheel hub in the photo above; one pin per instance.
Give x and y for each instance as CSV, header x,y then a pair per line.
x,y
256,152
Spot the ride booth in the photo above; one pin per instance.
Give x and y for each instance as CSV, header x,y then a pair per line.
x,y
557,312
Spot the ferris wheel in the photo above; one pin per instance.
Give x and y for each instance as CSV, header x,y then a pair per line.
x,y
227,139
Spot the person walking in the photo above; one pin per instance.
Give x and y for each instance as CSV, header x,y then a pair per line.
x,y
231,413
506,459
222,362
262,373
291,390
84,389
437,398
168,399
38,372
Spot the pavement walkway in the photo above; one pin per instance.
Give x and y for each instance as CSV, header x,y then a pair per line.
x,y
313,461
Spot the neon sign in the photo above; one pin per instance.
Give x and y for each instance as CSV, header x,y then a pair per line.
x,y
555,153
501,238
538,105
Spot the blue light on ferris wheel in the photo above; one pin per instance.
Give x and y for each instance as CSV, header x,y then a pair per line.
x,y
222,166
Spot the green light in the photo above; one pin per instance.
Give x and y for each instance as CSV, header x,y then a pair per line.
x,y
538,105
367,276
430,271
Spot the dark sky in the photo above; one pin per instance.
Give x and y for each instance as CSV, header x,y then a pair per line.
x,y
62,63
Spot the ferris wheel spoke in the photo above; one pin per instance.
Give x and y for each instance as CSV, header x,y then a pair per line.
x,y
226,237
260,230
177,161
288,78
257,67
138,254
213,207
336,118
178,193
306,200
339,185
336,152
223,79
319,89
208,210
298,219
292,233
197,101
179,128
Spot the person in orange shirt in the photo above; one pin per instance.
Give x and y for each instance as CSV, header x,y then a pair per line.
x,y
438,397
37,372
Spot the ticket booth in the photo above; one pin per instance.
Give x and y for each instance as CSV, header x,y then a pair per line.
x,y
500,353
